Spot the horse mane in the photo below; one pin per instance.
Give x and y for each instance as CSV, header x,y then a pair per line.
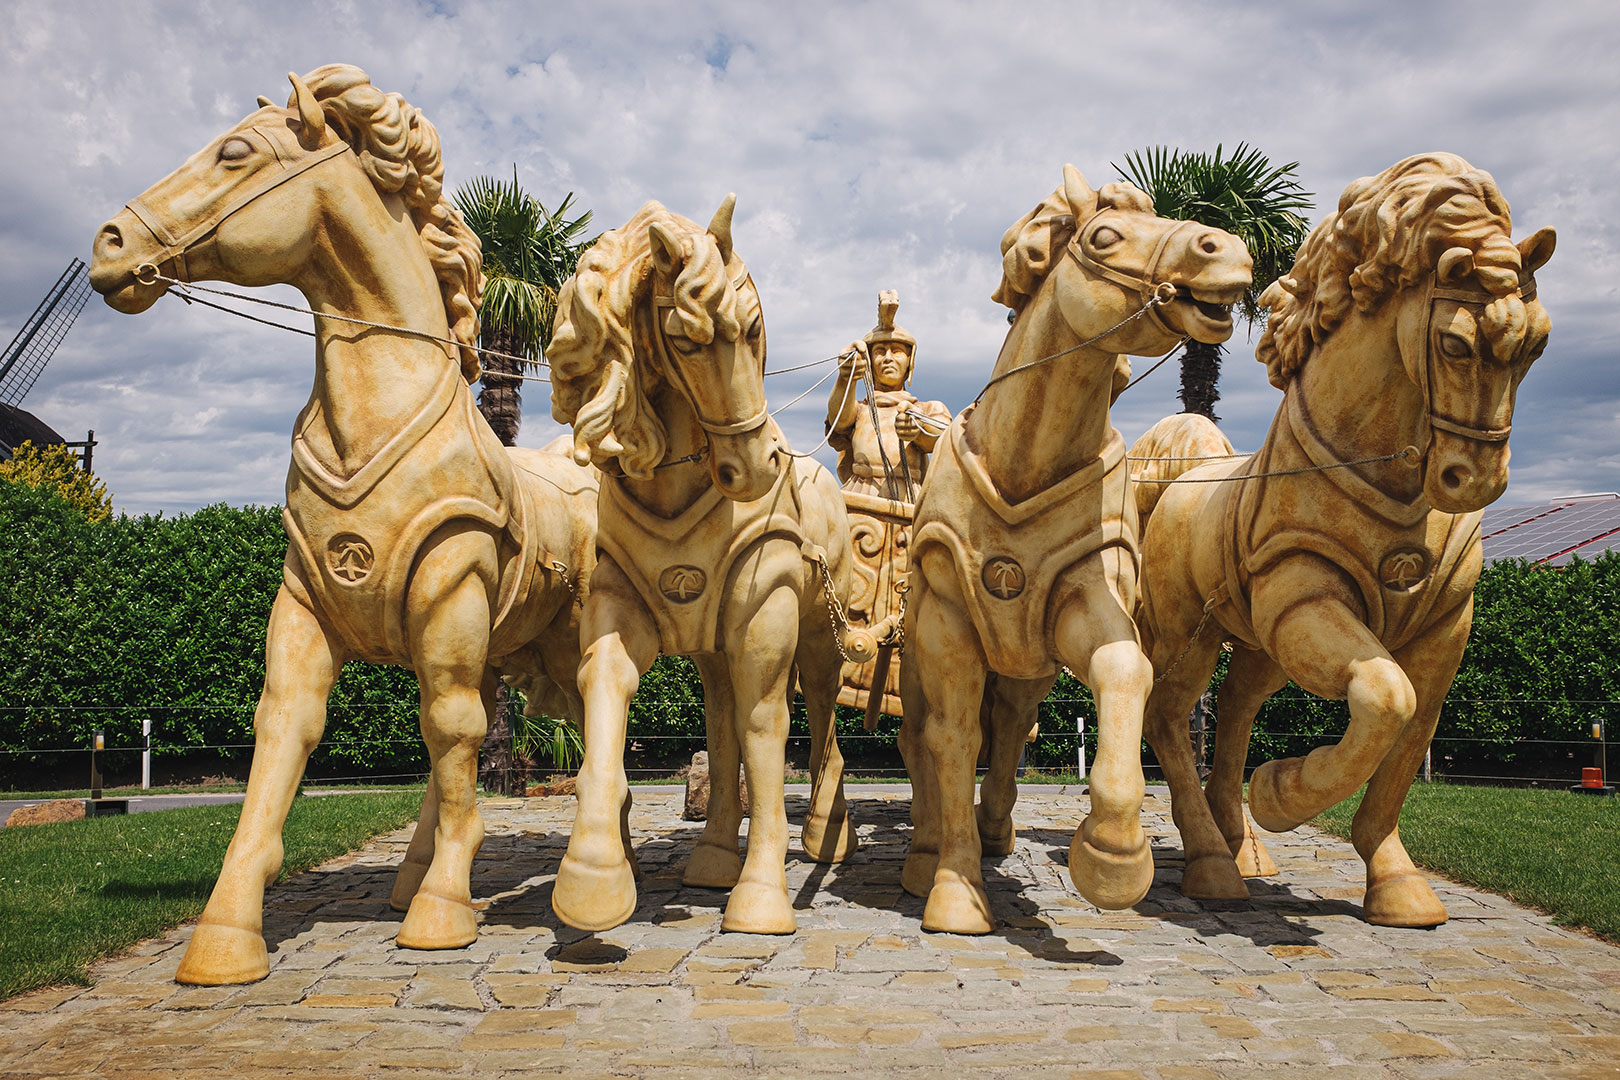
x,y
1036,241
1387,235
399,151
604,309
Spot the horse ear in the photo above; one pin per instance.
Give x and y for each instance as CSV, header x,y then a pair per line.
x,y
720,227
309,110
1455,265
1082,200
1537,248
265,103
666,248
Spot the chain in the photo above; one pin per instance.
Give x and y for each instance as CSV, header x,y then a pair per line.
x,y
835,610
1209,608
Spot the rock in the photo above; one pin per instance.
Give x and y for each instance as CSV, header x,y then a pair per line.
x,y
47,813
564,786
697,788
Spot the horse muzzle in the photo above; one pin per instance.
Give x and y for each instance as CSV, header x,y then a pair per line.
x,y
1464,474
745,467
122,246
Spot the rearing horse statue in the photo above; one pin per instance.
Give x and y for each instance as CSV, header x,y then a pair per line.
x,y
1023,552
716,543
1343,555
415,537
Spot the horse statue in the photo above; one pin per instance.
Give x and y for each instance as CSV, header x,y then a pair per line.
x,y
1343,555
414,537
715,542
1023,554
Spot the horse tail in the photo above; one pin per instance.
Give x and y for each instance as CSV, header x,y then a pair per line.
x,y
1169,448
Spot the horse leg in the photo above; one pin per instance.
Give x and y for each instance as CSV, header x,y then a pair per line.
x,y
760,652
596,887
1330,652
1209,873
715,862
1251,678
419,853
951,672
450,640
1110,860
922,854
827,835
1398,894
1013,710
301,663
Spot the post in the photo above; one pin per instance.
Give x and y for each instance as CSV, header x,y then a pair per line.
x,y
99,744
1081,724
1428,764
146,753
1599,754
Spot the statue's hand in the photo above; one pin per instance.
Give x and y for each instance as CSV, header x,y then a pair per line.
x,y
853,363
906,426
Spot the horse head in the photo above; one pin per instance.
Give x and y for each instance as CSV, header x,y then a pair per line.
x,y
665,301
227,214
1108,256
1467,341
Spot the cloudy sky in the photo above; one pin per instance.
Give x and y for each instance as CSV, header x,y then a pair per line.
x,y
871,146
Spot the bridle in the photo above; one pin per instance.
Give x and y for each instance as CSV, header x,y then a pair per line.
x,y
1145,283
176,244
1425,361
671,365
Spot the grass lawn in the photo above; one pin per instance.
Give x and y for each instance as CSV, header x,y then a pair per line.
x,y
1553,850
76,891
131,791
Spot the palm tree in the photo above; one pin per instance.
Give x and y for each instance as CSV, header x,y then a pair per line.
x,y
1246,195
529,252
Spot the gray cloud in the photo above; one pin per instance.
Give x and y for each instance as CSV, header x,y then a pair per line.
x,y
871,147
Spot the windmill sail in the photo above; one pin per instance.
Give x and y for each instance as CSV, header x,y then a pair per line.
x,y
25,358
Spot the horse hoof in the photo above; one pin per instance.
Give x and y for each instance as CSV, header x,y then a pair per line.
x,y
1266,799
1213,877
222,955
756,908
438,922
1253,860
407,880
917,875
829,845
1403,900
958,907
712,867
1111,880
589,897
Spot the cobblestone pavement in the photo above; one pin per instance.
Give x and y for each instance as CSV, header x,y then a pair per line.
x,y
1291,984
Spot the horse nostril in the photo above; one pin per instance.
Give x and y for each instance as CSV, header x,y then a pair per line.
x,y
1454,476
1208,244
111,237
727,475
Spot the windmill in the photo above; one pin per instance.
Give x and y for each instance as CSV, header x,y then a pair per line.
x,y
25,359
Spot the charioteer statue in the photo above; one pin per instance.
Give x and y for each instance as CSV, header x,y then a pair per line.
x,y
883,437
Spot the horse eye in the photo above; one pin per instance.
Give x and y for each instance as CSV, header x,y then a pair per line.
x,y
1105,238
1455,347
235,148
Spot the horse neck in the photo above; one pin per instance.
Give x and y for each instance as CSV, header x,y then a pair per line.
x,y
1361,404
368,382
1032,430
672,490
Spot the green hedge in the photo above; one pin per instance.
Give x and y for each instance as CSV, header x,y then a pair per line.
x,y
104,624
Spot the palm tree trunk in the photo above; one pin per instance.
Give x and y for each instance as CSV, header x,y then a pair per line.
x,y
495,771
500,400
1200,372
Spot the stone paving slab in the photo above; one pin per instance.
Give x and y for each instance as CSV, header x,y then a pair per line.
x,y
1290,984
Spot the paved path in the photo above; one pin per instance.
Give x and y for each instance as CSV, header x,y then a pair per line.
x,y
1290,985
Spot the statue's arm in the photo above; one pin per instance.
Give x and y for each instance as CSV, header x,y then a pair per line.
x,y
927,436
842,400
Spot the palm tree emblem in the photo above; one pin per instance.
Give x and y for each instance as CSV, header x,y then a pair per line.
x,y
681,583
1003,577
349,557
1403,569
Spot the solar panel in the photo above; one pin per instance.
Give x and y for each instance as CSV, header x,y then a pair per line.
x,y
1552,531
